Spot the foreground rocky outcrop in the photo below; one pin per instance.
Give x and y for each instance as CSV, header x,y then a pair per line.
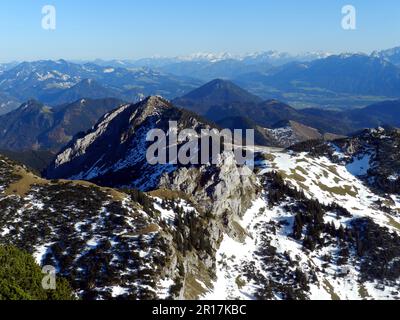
x,y
113,154
110,243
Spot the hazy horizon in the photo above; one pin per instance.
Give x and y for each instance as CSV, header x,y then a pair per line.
x,y
130,30
183,56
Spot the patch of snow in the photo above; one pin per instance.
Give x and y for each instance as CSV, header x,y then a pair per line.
x,y
360,165
164,287
40,252
117,291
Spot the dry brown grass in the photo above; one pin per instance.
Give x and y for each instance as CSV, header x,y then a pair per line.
x,y
28,179
23,186
393,222
267,157
342,191
329,288
363,292
293,176
151,228
116,195
193,289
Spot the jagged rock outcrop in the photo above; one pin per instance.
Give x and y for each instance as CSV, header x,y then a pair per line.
x,y
223,190
113,154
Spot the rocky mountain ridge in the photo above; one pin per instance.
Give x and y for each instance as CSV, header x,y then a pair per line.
x,y
305,224
36,126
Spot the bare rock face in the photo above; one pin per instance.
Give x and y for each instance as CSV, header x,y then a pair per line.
x,y
222,192
222,188
113,154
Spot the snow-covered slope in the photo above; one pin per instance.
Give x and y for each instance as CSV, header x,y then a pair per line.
x,y
107,243
271,56
113,152
58,82
288,133
316,232
318,221
310,223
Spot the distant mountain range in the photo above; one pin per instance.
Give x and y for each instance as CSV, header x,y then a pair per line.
x,y
221,101
7,103
73,96
350,74
391,55
271,57
311,80
55,82
86,88
217,93
7,66
36,126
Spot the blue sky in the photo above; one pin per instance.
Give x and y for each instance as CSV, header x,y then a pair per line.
x,y
88,29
